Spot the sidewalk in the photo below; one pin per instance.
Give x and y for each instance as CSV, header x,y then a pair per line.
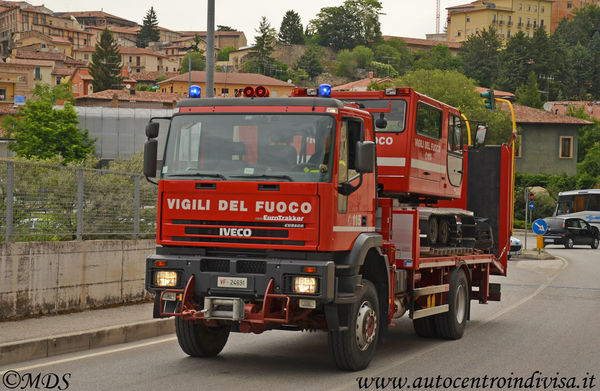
x,y
50,335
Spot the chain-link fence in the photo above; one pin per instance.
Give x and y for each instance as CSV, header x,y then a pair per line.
x,y
42,202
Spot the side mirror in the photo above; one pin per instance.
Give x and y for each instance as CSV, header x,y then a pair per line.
x,y
150,156
365,156
152,130
480,135
381,122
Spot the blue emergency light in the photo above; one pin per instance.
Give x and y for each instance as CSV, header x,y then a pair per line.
x,y
195,92
325,91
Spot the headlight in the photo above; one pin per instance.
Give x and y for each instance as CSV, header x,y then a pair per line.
x,y
165,278
307,285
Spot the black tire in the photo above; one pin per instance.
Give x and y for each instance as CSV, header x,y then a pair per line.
x,y
595,243
569,243
425,327
353,349
451,324
433,230
444,231
199,340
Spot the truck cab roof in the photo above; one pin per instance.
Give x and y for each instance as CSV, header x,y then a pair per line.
x,y
245,102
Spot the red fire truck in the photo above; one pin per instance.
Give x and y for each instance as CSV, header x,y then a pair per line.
x,y
281,213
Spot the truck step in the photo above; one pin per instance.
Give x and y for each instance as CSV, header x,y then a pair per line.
x,y
430,311
445,251
430,290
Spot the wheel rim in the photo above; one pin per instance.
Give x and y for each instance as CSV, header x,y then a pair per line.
x,y
460,305
433,230
444,231
366,326
570,243
595,243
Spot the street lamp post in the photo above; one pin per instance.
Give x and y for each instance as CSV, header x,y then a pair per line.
x,y
210,50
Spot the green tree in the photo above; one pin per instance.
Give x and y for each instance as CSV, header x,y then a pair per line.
x,y
149,31
395,53
263,47
591,164
42,131
588,136
221,27
594,50
105,66
529,94
224,53
198,62
368,12
291,31
480,56
363,56
383,70
346,64
310,61
455,89
581,63
515,63
439,57
332,33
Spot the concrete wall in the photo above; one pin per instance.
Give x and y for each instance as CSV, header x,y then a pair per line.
x,y
47,277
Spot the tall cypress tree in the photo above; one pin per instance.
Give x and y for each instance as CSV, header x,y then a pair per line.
x,y
105,67
149,31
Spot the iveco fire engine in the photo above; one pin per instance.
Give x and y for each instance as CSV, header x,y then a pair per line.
x,y
281,213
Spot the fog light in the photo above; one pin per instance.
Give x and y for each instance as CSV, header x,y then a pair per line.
x,y
165,278
306,285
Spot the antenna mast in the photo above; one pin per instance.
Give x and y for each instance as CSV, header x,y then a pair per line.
x,y
437,18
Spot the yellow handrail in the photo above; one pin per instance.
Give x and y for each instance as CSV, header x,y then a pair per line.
x,y
468,127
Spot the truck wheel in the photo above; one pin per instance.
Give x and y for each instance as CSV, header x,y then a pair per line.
x,y
198,340
569,243
451,324
433,230
353,349
425,327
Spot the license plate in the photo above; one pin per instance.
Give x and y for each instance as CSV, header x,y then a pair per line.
x,y
548,240
232,282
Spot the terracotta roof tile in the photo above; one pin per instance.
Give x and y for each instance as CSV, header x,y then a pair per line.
x,y
23,61
529,115
497,93
139,96
93,14
591,108
34,55
85,49
60,39
62,71
231,78
135,50
151,76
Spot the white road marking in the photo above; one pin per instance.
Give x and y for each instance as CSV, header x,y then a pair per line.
x,y
90,355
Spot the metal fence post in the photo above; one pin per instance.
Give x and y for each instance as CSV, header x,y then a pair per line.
x,y
136,206
79,203
10,183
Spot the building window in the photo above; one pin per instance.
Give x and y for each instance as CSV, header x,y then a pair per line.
x,y
520,21
508,33
509,22
137,70
225,91
520,6
2,94
534,23
528,7
130,59
543,9
85,42
58,80
519,148
86,56
569,5
566,147
38,73
541,22
535,8
458,33
467,32
468,18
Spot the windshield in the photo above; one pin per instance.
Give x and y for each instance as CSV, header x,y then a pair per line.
x,y
271,147
395,118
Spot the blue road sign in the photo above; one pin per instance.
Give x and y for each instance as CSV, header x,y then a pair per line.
x,y
531,205
539,227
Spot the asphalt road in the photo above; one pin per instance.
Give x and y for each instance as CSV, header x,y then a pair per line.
x,y
548,321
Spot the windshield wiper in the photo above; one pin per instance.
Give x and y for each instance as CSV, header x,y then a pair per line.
x,y
286,177
199,174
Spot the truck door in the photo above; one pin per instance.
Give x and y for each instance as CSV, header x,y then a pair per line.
x,y
455,153
353,210
428,160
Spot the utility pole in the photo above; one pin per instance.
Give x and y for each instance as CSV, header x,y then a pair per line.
x,y
210,50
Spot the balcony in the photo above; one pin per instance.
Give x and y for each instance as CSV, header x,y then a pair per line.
x,y
509,23
501,22
520,24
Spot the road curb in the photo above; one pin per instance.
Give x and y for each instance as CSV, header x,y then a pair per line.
x,y
32,349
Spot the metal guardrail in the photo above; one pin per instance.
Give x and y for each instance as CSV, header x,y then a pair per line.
x,y
50,203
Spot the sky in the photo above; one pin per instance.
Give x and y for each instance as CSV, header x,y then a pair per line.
x,y
406,18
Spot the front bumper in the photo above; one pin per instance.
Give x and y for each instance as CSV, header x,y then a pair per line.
x,y
213,274
554,239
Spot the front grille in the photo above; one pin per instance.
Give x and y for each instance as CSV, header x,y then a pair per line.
x,y
214,265
265,233
251,267
222,223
